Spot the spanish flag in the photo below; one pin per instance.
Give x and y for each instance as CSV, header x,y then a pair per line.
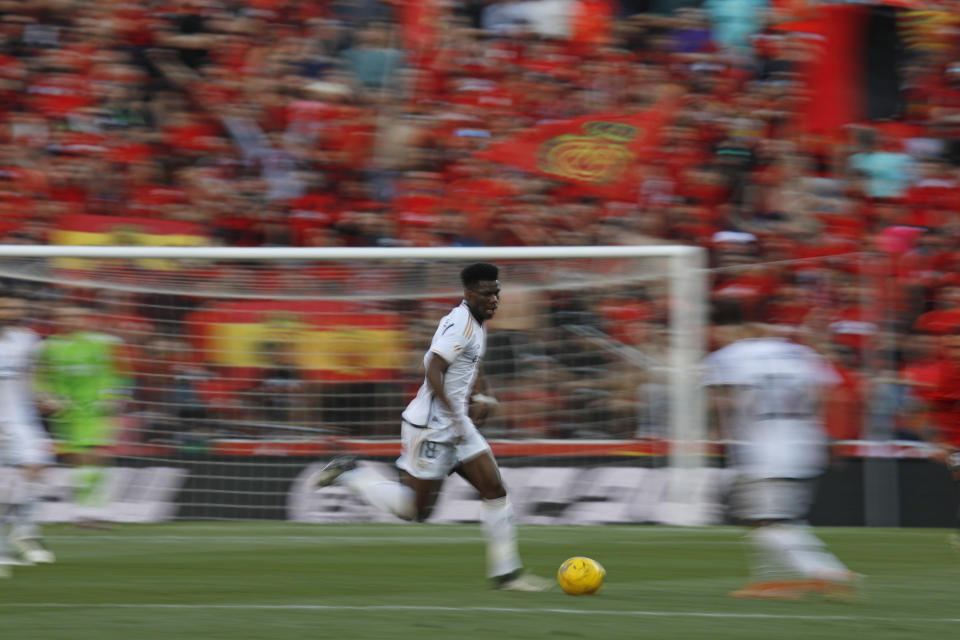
x,y
331,341
93,230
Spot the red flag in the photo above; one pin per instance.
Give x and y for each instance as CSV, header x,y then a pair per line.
x,y
421,25
600,152
832,99
850,75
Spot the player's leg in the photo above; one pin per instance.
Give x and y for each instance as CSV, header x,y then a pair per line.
x,y
504,567
89,433
424,462
368,485
748,508
86,432
787,558
425,494
770,575
25,536
32,455
503,557
6,553
89,482
802,551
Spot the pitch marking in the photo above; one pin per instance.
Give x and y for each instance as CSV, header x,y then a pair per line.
x,y
533,610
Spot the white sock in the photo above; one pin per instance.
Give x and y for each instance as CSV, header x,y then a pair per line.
x,y
501,534
765,564
5,510
801,551
23,515
386,495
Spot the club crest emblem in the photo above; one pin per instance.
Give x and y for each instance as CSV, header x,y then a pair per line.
x,y
599,155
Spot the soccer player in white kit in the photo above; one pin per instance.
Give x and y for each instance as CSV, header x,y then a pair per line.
x,y
439,437
23,441
768,390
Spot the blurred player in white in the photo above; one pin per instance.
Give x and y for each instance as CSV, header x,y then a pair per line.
x,y
24,441
766,392
439,436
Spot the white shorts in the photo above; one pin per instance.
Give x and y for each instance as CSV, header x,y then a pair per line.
x,y
25,445
432,454
771,498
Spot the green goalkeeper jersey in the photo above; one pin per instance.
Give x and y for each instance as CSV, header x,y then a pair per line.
x,y
82,369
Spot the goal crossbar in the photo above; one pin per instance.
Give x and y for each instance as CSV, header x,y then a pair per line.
x,y
348,253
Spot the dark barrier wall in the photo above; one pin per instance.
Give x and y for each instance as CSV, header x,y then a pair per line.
x,y
926,495
258,488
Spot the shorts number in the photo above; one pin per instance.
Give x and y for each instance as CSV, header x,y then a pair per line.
x,y
430,450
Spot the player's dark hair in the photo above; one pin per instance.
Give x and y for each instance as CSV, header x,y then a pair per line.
x,y
726,311
479,272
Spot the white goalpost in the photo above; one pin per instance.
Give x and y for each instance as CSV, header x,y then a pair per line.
x,y
242,368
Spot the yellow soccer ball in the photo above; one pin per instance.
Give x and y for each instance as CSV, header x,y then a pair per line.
x,y
580,576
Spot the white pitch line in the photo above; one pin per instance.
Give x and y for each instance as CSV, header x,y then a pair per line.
x,y
632,529
319,539
536,610
324,539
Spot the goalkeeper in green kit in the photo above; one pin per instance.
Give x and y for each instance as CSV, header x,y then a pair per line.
x,y
82,385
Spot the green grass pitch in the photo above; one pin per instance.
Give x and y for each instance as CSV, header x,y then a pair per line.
x,y
275,581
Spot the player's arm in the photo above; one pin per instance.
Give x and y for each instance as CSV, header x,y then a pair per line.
x,y
719,380
720,409
482,401
436,369
45,387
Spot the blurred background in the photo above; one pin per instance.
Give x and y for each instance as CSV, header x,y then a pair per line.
x,y
811,148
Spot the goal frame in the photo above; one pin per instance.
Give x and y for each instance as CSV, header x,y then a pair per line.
x,y
687,275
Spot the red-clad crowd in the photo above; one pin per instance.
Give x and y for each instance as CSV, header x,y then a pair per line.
x,y
360,123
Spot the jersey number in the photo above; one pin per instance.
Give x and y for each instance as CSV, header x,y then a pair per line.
x,y
784,397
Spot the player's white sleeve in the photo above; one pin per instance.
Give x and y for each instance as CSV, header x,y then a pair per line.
x,y
823,373
718,368
453,335
827,374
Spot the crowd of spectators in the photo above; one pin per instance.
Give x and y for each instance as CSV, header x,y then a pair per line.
x,y
358,122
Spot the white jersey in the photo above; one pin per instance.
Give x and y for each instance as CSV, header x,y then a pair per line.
x,y
18,348
23,440
461,340
777,431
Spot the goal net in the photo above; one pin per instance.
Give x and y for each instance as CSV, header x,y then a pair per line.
x,y
238,371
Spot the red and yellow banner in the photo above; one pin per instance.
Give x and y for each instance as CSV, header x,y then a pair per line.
x,y
93,230
601,153
326,340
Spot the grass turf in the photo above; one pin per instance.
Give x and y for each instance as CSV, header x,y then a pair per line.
x,y
277,581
